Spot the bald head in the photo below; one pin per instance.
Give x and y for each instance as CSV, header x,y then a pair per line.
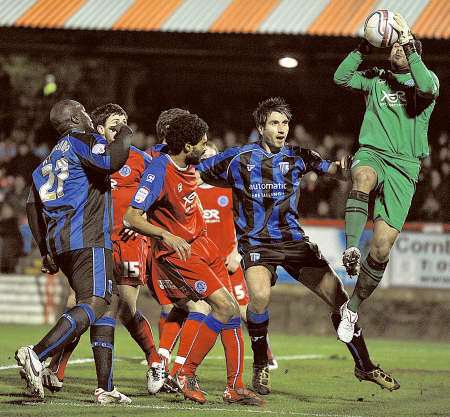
x,y
69,114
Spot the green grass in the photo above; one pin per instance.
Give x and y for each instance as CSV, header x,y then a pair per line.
x,y
313,387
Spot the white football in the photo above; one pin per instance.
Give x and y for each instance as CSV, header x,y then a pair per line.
x,y
379,30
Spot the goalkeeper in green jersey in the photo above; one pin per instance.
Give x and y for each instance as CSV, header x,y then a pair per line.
x,y
393,141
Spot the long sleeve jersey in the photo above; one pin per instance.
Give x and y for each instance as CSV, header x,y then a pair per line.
x,y
398,106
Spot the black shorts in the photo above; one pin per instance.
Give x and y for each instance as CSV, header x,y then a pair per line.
x,y
292,256
90,272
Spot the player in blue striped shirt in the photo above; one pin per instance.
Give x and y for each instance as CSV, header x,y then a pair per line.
x,y
265,179
69,212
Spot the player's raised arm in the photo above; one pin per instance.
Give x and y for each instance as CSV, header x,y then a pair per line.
x,y
215,170
427,83
346,74
96,153
120,148
341,169
337,169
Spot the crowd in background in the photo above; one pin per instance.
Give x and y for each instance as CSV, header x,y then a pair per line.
x,y
26,138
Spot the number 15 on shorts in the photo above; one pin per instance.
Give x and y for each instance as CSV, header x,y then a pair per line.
x,y
130,269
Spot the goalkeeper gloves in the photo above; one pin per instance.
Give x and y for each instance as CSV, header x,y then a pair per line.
x,y
404,32
364,47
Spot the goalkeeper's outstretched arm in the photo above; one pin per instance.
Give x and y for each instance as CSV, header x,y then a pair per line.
x,y
427,83
346,74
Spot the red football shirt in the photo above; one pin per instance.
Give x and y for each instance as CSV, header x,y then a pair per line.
x,y
168,194
217,206
124,184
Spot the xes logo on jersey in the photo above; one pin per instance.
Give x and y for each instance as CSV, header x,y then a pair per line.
x,y
393,99
189,201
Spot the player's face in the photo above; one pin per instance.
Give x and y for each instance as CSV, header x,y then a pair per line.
x,y
111,121
398,58
197,151
275,131
210,151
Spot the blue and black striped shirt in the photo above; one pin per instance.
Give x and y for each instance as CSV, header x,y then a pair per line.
x,y
74,187
266,189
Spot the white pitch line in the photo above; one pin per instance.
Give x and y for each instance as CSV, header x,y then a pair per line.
x,y
89,360
203,408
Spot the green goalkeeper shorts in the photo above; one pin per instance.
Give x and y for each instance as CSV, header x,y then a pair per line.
x,y
396,186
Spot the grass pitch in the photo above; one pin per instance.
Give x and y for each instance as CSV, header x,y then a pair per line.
x,y
315,378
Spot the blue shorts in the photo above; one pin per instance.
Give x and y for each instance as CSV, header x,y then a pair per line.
x,y
89,271
293,256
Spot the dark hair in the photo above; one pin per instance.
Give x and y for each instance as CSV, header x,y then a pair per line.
x,y
268,106
164,120
101,113
184,129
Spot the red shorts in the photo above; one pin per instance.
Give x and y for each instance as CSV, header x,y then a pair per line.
x,y
130,261
198,277
240,290
155,285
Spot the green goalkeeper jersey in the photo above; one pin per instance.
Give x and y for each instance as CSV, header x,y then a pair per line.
x,y
398,106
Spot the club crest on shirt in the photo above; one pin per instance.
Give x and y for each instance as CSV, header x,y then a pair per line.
x,y
98,148
284,167
125,171
180,187
200,287
141,195
254,257
250,167
223,201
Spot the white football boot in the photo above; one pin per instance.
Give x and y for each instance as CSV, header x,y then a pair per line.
x,y
346,327
156,375
103,397
28,360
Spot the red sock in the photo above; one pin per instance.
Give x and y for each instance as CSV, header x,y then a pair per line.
x,y
59,361
188,334
233,345
141,332
171,331
202,344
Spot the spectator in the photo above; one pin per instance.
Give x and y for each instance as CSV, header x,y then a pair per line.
x,y
11,245
6,119
17,195
23,163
